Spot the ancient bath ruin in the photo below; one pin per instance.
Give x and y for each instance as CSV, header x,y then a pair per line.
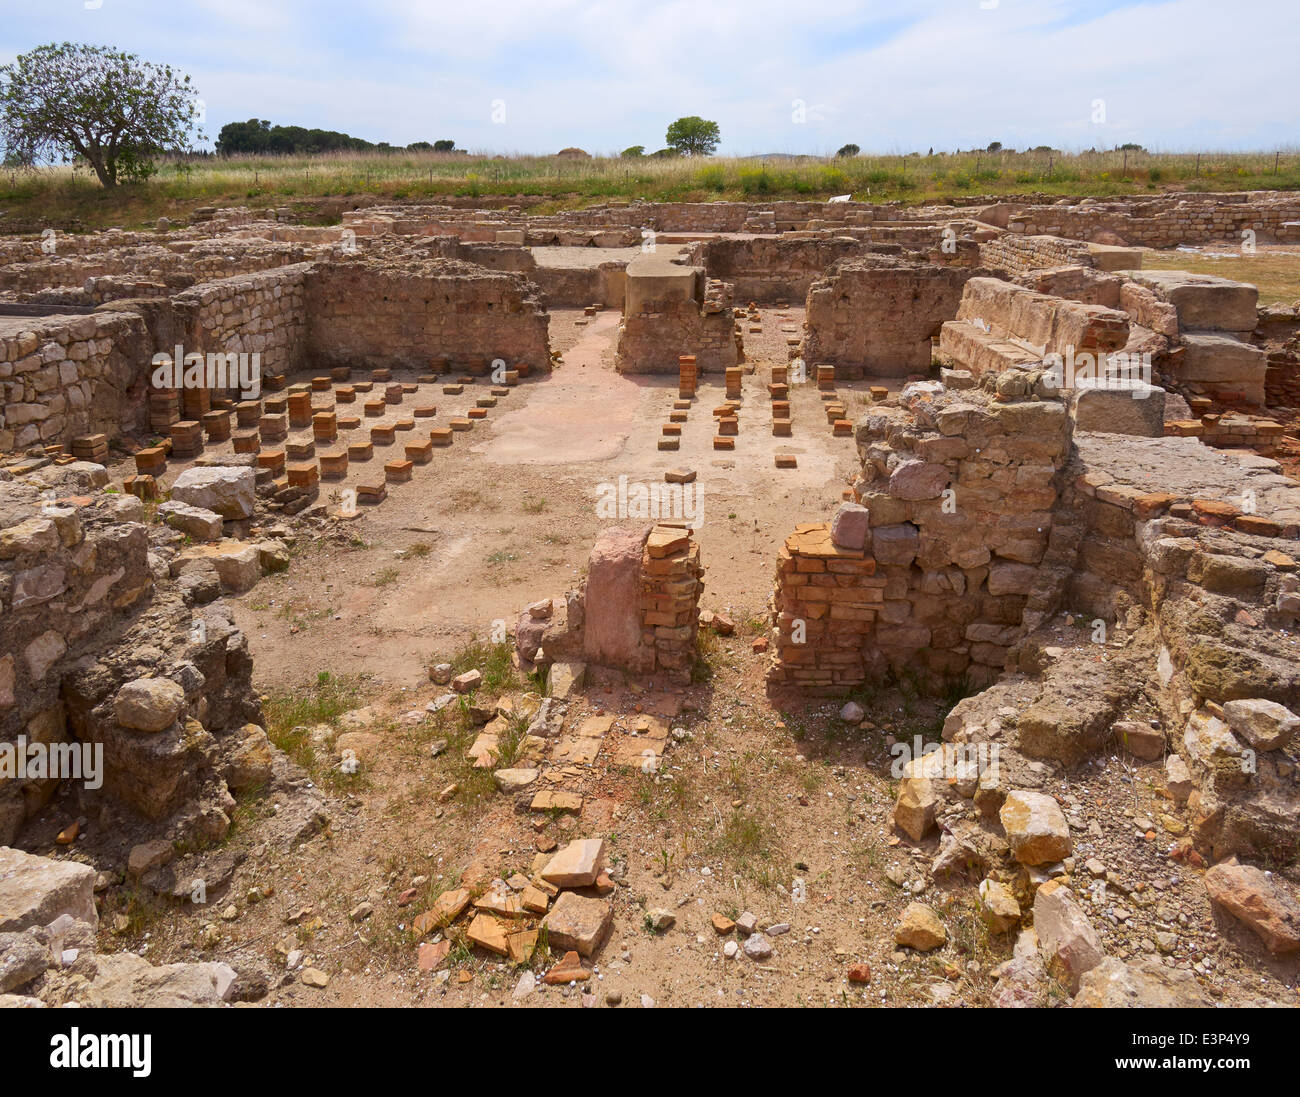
x,y
606,546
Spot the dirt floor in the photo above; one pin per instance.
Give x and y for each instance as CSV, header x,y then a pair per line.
x,y
784,814
508,513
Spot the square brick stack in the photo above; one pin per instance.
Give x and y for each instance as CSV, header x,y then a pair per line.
x,y
164,409
195,403
334,464
273,428
91,447
187,439
325,426
216,424
833,595
687,376
300,409
671,583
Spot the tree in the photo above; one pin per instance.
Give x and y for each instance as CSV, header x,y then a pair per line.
x,y
633,151
994,146
259,136
693,136
848,150
115,111
444,145
419,146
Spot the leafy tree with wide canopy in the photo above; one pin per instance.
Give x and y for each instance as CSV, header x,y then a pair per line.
x,y
108,107
693,136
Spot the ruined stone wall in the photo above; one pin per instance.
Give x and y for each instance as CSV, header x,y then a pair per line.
x,y
64,582
949,553
496,256
376,313
177,265
768,270
87,611
1167,222
262,313
64,376
1278,336
577,287
876,317
1022,254
1053,324
1211,322
1232,430
652,338
1216,579
617,225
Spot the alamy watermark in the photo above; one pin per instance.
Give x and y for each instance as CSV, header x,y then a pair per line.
x,y
636,499
948,761
214,370
1121,371
37,761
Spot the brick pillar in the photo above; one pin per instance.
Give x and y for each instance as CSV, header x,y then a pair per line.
x,y
671,583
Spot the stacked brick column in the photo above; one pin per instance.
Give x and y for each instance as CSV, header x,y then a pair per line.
x,y
827,601
671,582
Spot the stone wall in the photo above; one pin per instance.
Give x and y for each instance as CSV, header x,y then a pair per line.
x,y
64,376
1021,254
177,265
767,270
1278,336
1213,321
671,310
948,553
1047,324
577,287
100,647
376,313
876,317
262,313
1166,222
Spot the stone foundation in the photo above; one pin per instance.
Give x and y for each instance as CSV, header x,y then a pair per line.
x,y
101,647
877,317
948,547
380,315
672,310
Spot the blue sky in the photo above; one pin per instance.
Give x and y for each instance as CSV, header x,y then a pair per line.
x,y
889,75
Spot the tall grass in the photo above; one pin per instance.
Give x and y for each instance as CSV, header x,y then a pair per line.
x,y
549,183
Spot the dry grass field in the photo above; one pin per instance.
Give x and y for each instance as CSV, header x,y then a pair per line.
x,y
71,194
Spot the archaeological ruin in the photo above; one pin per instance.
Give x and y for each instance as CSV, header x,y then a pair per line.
x,y
985,456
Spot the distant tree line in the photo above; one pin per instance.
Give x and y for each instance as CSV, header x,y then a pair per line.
x,y
257,135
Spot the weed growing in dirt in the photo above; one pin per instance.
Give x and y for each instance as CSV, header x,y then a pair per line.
x,y
493,660
291,715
